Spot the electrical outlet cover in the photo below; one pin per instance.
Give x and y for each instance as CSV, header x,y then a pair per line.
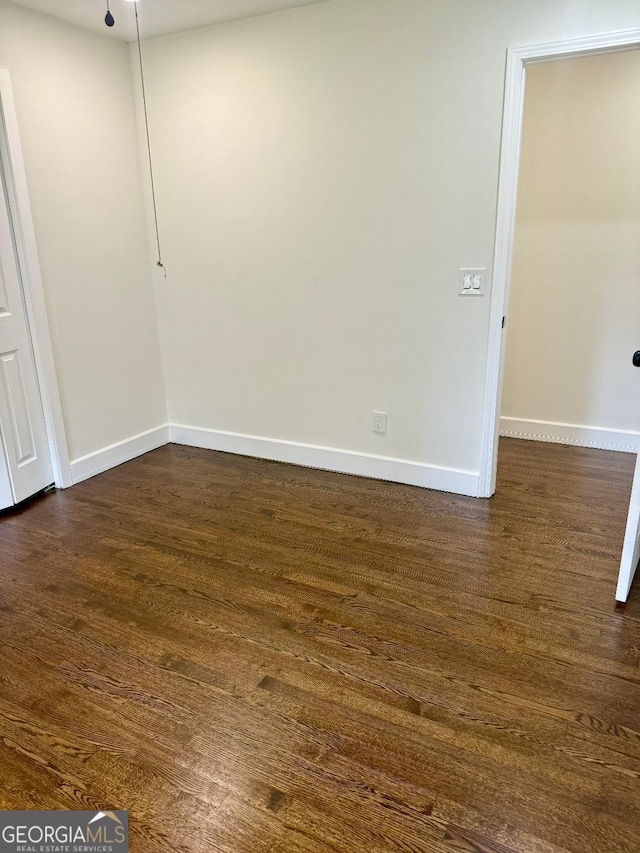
x,y
380,423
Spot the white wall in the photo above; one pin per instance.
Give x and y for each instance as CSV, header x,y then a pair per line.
x,y
574,313
322,174
77,121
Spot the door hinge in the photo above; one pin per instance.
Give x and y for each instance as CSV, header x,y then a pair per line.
x,y
504,320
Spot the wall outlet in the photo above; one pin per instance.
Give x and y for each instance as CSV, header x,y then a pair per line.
x,y
380,423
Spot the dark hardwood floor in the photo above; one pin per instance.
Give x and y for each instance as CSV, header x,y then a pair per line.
x,y
249,656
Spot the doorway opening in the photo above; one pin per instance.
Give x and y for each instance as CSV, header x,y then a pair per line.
x,y
574,304
570,239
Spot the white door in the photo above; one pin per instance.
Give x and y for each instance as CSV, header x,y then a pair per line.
x,y
631,547
24,445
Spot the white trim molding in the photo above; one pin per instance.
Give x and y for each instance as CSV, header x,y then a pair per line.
x,y
330,459
351,462
626,441
517,60
124,451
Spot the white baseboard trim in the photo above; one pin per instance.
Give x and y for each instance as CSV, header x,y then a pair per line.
x,y
116,454
331,459
626,441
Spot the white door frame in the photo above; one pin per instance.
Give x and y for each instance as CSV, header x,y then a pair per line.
x,y
31,280
517,60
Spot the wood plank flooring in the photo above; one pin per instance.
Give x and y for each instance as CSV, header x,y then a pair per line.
x,y
252,657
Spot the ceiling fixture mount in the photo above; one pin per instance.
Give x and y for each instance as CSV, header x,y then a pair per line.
x,y
110,21
146,127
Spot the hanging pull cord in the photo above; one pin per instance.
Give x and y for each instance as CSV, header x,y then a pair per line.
x,y
146,125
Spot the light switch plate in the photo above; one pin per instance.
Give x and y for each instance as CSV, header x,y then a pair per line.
x,y
472,282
